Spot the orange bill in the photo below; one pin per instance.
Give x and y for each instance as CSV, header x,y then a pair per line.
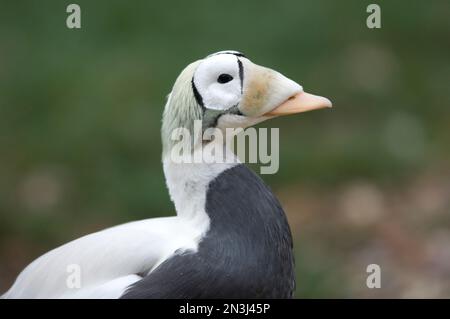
x,y
302,102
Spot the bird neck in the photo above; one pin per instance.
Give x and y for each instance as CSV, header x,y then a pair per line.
x,y
188,180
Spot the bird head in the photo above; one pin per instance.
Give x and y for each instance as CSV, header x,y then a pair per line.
x,y
227,90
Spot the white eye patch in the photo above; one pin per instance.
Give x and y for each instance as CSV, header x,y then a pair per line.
x,y
218,81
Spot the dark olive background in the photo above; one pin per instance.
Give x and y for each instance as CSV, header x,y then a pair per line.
x,y
366,182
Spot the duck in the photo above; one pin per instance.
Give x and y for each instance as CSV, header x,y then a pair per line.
x,y
230,237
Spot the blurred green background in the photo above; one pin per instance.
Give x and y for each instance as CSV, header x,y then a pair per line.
x,y
366,182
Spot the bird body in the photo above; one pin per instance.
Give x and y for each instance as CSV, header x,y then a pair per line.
x,y
211,245
108,260
245,253
230,238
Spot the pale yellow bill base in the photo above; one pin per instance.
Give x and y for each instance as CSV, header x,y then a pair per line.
x,y
302,102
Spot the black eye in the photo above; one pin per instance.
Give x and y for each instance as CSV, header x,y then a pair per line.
x,y
224,78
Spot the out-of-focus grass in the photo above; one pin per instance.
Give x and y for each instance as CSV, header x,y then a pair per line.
x,y
80,110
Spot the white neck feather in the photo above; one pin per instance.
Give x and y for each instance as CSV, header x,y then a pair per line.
x,y
188,183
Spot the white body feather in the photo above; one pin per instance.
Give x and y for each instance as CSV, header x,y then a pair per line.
x,y
112,259
109,260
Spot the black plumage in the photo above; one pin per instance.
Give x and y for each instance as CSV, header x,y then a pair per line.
x,y
246,253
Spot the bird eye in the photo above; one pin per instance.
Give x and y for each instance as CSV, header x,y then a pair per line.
x,y
224,78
